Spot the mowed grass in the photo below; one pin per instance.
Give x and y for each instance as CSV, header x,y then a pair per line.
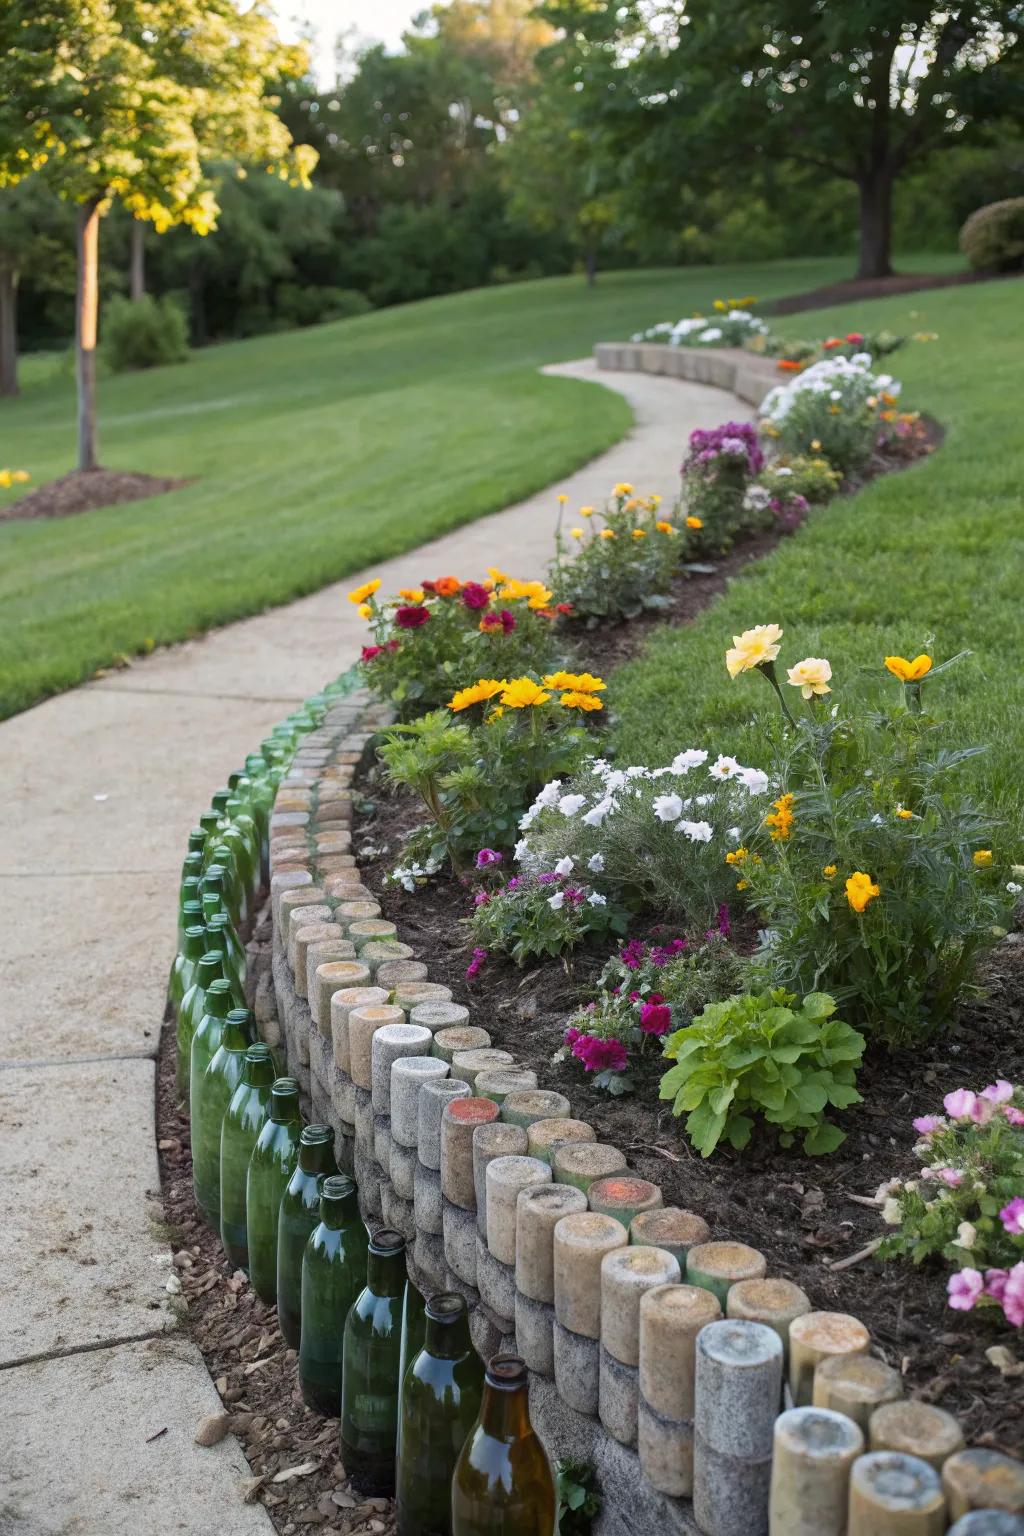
x,y
930,559
314,454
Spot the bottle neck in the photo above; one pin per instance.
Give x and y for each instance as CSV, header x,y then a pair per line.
x,y
218,1001
448,1339
340,1210
316,1157
234,1037
258,1071
386,1273
284,1107
505,1411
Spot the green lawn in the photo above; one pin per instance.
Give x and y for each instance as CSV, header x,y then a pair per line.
x,y
928,559
315,453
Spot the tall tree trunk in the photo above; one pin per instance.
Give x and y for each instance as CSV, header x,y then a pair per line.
x,y
875,224
8,331
137,281
86,315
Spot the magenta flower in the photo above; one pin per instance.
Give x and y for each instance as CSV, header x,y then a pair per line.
x,y
927,1125
1012,1217
1013,1296
481,899
479,956
571,1035
474,595
960,1104
951,1176
487,857
1014,1115
1000,1092
964,1289
514,883
655,1018
633,954
411,617
599,1055
656,997
995,1283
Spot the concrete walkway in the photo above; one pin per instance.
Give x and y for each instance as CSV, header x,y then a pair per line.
x,y
101,788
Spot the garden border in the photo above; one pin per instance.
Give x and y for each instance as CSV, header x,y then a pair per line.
x,y
744,374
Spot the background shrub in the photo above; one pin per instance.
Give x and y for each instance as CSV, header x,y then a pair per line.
x,y
146,333
992,238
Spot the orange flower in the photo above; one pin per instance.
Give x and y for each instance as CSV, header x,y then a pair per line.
x,y
695,522
789,365
781,823
447,586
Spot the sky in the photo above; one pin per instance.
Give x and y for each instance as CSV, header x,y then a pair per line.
x,y
377,21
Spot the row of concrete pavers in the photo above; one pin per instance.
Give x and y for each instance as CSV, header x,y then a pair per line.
x,y
742,373
659,1353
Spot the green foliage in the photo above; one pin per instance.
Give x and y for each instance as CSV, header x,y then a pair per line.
x,y
992,239
809,476
579,1498
834,409
530,919
756,1055
476,780
618,563
144,333
297,305
876,799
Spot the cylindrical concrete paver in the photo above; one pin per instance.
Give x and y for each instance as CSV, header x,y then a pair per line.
x,y
505,1177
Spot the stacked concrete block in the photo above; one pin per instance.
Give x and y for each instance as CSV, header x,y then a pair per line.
x,y
452,1041
583,1163
812,1338
737,1399
892,1494
581,1241
623,1196
720,1266
459,1120
539,1209
331,967
776,1303
915,1429
671,1317
505,1177
627,1274
311,933
855,1385
814,1451
980,1479
546,1136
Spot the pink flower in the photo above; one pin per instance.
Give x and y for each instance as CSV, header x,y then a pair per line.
x,y
479,956
960,1104
964,1289
995,1283
486,857
999,1092
481,899
655,1018
474,595
599,1055
982,1110
951,1176
655,997
1012,1217
1014,1115
411,617
1013,1296
927,1125
571,1035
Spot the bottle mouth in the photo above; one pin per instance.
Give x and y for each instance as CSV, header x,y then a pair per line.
x,y
239,1015
387,1241
507,1371
337,1186
285,1085
221,985
195,931
257,1052
316,1135
447,1307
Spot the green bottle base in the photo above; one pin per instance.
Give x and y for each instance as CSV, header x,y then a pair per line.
x,y
322,1396
208,1209
291,1326
264,1286
371,1475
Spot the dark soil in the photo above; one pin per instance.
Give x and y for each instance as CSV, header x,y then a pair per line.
x,y
857,288
84,490
292,1451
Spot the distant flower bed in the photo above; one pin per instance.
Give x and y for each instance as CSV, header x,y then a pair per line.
x,y
732,325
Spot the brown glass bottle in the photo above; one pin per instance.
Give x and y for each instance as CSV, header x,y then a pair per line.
x,y
503,1483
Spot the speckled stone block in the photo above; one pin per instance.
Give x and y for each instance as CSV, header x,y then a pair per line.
x,y
287,880
668,1227
409,994
427,1197
772,1302
490,1141
546,1136
618,1397
535,1322
627,1274
402,1168
434,1096
671,1318
310,933
988,1522
577,1369
895,1495
738,1388
396,1212
293,897
382,1143
502,1081
342,1004
388,1046
916,1429
460,1238
469,1064
363,1024
506,1176
496,1283
719,1266
855,1385
814,1450
366,929
430,1259
362,1119
458,1122
367,1177
351,908
395,972
525,1107
583,1163
303,917
449,1043
813,1337
730,1495
580,1244
408,1074
331,969
981,1479
379,952
440,1013
665,1447
539,1209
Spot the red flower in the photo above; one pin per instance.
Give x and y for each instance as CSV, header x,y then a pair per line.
x,y
855,338
474,595
391,645
411,618
832,343
655,1018
563,607
491,622
370,651
429,586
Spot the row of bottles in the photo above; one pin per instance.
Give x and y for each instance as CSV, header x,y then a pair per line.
x,y
420,1418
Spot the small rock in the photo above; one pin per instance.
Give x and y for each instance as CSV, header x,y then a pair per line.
x,y
302,1470
213,1428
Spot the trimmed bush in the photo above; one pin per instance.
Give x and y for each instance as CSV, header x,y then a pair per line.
x,y
992,238
314,306
144,333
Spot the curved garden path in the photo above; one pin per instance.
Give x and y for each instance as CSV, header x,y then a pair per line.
x,y
99,1397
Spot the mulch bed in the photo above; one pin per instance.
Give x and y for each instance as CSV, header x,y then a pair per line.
x,y
860,288
292,1451
84,490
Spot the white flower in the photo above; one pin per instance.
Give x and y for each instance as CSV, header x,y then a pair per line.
x,y
565,866
615,780
713,333
684,761
703,799
637,773
697,831
757,498
550,793
966,1235
594,817
595,899
733,834
570,804
877,820
754,780
555,902
521,849
528,818
782,469
596,863
1013,888
724,767
891,1214
667,807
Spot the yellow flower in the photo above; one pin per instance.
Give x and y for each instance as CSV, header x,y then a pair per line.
x,y
523,693
535,592
860,889
631,505
781,823
365,611
982,858
741,885
810,676
495,714
6,478
623,488
578,682
872,401
904,814
720,305
816,445
606,533
411,594
562,500
496,575
737,856
576,533
484,689
663,527
586,511
695,522
655,502
639,533
829,871
584,701
835,410
367,589
753,648
909,671
768,430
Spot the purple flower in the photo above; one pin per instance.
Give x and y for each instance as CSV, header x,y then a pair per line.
x,y
1000,1092
995,1283
514,883
481,899
574,894
479,956
1012,1217
1013,1296
547,879
633,954
964,1289
487,857
571,1035
661,954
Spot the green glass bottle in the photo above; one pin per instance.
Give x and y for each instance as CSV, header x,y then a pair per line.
x,y
270,1167
333,1274
219,799
213,894
216,1005
210,1096
298,1215
197,840
441,1395
243,1121
245,838
210,824
369,1389
413,1333
209,968
190,891
184,964
220,934
503,1483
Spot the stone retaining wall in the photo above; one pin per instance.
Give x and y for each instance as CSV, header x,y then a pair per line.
x,y
742,373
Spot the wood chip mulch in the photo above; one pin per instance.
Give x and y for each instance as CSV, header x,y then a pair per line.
x,y
84,490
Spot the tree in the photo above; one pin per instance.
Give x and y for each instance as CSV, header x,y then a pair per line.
x,y
126,99
855,89
34,231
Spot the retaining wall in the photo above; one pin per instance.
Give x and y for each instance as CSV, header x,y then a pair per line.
x,y
743,373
